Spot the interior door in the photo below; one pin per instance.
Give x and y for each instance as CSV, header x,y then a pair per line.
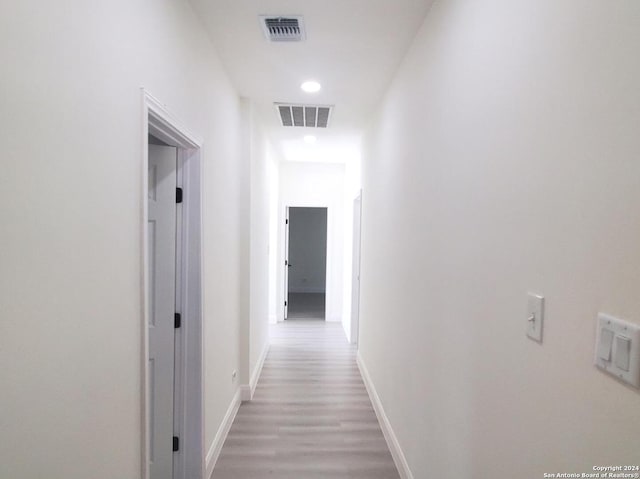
x,y
286,263
355,283
162,277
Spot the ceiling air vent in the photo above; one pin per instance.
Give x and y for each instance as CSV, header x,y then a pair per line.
x,y
288,28
310,116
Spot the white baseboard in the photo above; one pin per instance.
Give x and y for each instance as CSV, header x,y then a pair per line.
x,y
346,332
248,390
221,435
385,425
255,377
245,392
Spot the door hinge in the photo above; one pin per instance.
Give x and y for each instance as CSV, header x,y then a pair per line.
x,y
178,195
177,320
286,262
285,303
286,222
176,444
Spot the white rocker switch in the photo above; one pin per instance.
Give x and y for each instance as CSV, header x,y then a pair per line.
x,y
605,344
617,348
623,348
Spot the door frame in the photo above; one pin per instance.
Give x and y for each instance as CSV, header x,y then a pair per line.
x,y
355,262
189,462
286,263
328,295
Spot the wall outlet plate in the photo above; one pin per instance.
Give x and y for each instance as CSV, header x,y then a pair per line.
x,y
535,316
610,336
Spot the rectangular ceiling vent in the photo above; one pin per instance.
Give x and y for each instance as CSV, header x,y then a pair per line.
x,y
288,28
310,116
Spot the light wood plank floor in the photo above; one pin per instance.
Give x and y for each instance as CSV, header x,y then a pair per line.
x,y
311,417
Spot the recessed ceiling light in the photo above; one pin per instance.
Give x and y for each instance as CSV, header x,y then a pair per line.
x,y
310,139
310,86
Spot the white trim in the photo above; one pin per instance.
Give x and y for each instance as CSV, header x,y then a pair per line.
x,y
191,434
355,276
245,392
157,120
283,235
248,390
145,405
255,377
346,332
385,425
159,117
285,263
221,435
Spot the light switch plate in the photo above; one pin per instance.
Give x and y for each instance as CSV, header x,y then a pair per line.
x,y
535,316
623,352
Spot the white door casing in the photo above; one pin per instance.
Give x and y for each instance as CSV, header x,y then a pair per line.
x,y
355,270
190,461
286,263
162,283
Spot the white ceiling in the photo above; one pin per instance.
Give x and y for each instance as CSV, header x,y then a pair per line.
x,y
353,48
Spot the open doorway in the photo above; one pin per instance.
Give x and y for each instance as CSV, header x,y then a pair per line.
x,y
306,263
172,436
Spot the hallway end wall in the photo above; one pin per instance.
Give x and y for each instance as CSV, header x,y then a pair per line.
x,y
504,160
315,184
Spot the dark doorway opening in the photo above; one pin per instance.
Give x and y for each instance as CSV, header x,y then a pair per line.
x,y
307,263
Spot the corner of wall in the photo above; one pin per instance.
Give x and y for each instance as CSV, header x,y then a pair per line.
x,y
389,435
216,446
345,327
248,390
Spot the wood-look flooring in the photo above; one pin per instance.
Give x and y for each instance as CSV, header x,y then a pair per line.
x,y
310,417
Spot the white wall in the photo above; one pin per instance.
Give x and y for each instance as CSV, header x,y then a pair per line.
x,y
71,130
353,189
504,159
307,250
315,184
274,243
264,167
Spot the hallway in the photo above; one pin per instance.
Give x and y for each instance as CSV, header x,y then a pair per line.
x,y
475,164
310,417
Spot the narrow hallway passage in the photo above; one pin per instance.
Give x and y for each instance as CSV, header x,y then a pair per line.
x,y
311,417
